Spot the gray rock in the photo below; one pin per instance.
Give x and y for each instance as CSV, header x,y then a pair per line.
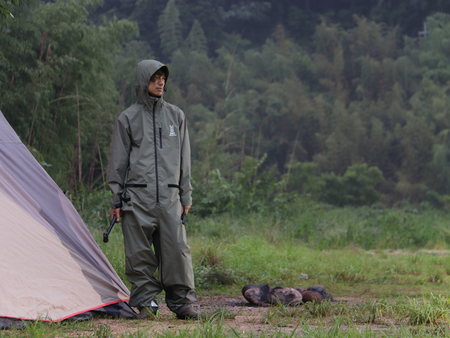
x,y
284,296
256,294
301,290
311,296
321,289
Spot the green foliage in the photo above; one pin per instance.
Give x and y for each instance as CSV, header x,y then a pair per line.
x,y
428,310
368,228
196,40
63,66
356,187
6,7
169,29
303,178
324,226
435,57
256,249
93,206
360,94
244,192
350,275
125,62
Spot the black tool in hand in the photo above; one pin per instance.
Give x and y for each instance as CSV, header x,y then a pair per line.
x,y
183,215
106,234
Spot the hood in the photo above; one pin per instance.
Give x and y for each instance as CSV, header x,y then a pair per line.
x,y
144,71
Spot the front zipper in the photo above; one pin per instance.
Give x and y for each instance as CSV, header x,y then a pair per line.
x,y
156,154
160,138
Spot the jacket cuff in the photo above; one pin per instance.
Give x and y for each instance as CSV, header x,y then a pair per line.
x,y
186,200
115,202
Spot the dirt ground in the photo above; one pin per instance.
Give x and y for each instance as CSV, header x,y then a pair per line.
x,y
243,317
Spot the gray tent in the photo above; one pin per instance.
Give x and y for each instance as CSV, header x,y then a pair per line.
x,y
50,266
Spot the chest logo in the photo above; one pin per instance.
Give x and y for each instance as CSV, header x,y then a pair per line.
x,y
172,130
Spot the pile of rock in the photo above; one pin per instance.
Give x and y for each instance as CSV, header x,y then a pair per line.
x,y
263,295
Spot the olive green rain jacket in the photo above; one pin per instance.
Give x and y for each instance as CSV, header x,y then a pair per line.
x,y
153,135
149,176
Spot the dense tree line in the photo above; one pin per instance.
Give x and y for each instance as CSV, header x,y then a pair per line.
x,y
256,20
348,110
56,88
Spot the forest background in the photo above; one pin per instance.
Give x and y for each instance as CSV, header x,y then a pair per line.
x,y
343,102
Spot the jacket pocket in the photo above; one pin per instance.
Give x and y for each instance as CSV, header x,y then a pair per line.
x,y
160,138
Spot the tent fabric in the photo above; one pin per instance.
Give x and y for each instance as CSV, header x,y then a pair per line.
x,y
50,268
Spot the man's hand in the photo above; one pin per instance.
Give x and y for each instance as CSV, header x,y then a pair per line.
x,y
115,212
186,209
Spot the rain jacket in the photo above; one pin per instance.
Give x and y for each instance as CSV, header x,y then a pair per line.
x,y
150,156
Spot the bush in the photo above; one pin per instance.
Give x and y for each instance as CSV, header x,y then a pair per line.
x,y
244,192
356,187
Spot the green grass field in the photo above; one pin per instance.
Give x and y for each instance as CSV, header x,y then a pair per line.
x,y
394,261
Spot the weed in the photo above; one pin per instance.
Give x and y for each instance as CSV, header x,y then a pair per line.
x,y
283,315
434,331
183,333
93,206
342,309
222,313
319,310
435,277
350,275
209,278
38,329
103,331
374,311
428,311
138,334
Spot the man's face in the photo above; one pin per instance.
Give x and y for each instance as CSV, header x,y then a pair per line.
x,y
156,84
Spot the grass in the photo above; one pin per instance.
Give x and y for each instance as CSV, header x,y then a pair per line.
x,y
382,318
394,261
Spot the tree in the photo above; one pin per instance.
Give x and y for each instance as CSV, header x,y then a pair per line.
x,y
441,161
6,6
169,29
56,85
196,40
356,187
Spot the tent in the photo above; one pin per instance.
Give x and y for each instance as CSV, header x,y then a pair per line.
x,y
50,266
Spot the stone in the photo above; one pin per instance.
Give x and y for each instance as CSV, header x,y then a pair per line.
x,y
300,290
256,294
311,296
321,289
284,296
316,288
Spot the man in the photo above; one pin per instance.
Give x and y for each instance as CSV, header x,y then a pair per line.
x,y
149,177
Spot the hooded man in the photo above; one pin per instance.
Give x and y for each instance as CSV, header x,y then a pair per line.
x,y
149,177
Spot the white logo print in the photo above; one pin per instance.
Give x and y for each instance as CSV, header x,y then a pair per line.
x,y
172,130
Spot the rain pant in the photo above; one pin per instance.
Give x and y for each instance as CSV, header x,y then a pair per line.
x,y
149,176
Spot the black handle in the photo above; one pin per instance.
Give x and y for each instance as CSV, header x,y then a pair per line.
x,y
106,234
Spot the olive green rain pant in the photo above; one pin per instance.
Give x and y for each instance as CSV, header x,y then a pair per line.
x,y
171,256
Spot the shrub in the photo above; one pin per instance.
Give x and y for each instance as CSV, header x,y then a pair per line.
x,y
356,187
243,193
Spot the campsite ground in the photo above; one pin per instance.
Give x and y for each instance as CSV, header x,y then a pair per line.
x,y
230,316
224,315
413,314
396,286
388,270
